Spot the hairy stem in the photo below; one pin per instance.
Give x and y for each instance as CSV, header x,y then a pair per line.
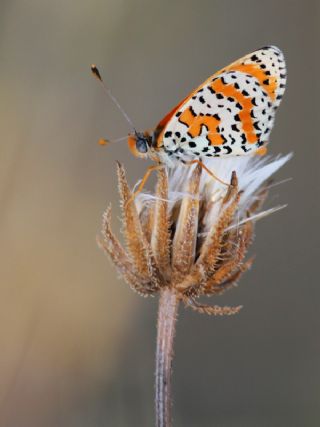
x,y
167,317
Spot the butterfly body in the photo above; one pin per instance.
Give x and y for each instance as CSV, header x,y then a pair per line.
x,y
230,114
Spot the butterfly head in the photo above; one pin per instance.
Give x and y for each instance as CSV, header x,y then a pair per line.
x,y
139,144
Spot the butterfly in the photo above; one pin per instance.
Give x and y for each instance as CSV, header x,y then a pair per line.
x,y
230,114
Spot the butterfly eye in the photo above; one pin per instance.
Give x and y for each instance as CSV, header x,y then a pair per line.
x,y
142,145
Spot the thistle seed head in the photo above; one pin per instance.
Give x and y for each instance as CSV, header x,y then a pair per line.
x,y
192,234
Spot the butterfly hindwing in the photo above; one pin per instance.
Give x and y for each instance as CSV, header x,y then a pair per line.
x,y
231,113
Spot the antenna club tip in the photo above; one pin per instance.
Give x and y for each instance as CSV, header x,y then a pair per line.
x,y
96,72
103,141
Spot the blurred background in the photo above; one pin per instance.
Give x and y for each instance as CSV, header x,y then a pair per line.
x,y
77,346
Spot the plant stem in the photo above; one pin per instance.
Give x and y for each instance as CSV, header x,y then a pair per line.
x,y
167,317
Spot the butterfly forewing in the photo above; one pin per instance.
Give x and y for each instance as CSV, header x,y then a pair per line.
x,y
231,113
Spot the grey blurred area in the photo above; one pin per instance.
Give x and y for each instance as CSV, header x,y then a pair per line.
x,y
77,347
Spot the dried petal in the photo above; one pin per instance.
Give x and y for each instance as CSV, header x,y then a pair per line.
x,y
137,244
112,247
214,310
160,240
212,245
228,267
184,242
231,282
146,220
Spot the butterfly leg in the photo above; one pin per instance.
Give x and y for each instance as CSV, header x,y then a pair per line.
x,y
199,162
143,181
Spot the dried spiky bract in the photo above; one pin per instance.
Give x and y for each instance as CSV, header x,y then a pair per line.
x,y
194,244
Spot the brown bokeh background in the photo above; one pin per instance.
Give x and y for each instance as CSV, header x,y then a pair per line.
x,y
76,345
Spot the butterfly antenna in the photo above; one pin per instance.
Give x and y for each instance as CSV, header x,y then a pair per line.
x,y
107,141
97,75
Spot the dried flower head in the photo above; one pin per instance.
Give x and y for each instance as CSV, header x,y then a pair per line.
x,y
193,233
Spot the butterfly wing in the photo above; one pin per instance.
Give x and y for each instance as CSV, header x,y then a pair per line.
x,y
231,113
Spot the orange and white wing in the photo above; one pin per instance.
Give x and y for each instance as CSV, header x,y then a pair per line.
x,y
231,113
